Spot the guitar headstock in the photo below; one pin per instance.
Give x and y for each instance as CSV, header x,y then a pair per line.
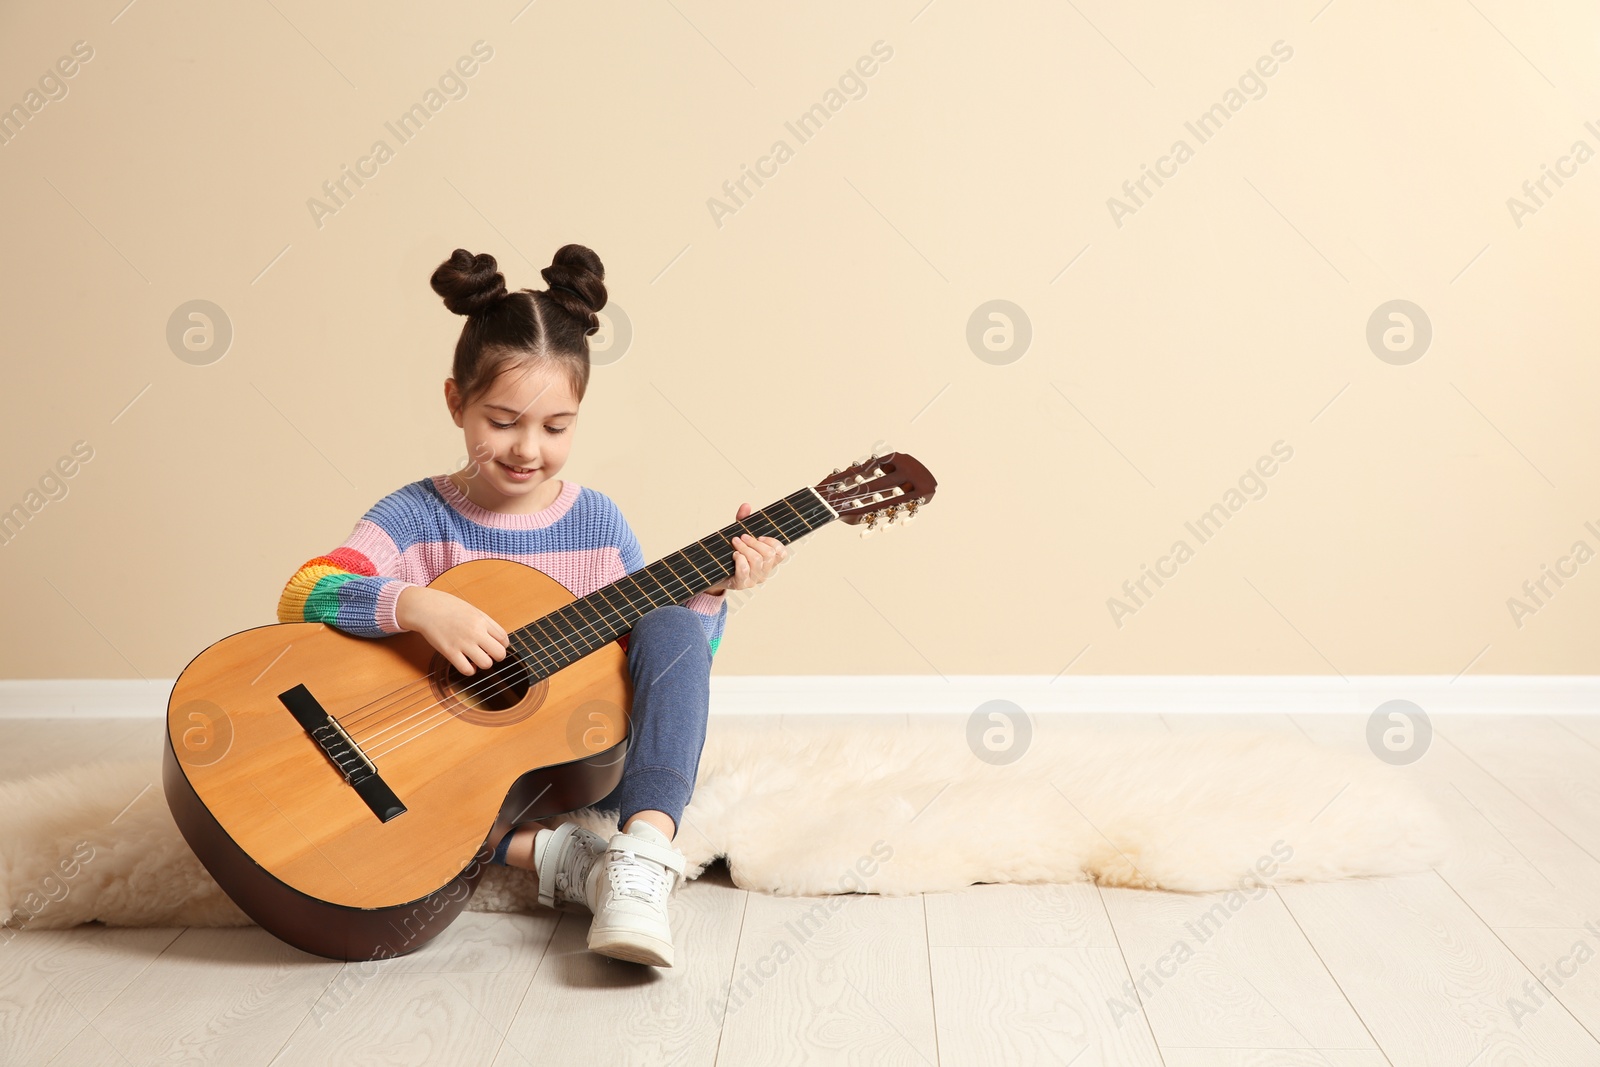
x,y
881,491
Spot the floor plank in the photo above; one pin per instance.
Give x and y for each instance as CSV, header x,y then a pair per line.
x,y
1428,978
1035,1005
1228,969
584,1008
432,1018
1539,761
1567,965
839,979
213,996
1019,916
1271,1057
1512,865
54,982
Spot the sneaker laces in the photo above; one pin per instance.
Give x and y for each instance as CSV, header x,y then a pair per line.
x,y
572,875
641,879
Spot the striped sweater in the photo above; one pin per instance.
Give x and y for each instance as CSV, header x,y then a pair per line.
x,y
420,530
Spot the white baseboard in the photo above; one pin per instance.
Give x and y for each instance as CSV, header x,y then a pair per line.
x,y
961,694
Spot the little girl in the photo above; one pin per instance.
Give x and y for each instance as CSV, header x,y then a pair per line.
x,y
521,369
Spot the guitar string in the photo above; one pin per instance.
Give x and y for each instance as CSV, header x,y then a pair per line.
x,y
553,636
534,656
423,727
414,688
565,642
492,681
548,637
357,717
549,629
429,722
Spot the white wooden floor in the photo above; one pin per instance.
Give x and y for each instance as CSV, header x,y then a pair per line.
x,y
1428,969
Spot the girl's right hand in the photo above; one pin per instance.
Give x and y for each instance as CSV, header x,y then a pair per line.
x,y
463,634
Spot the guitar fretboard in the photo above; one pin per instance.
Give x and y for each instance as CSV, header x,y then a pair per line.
x,y
569,633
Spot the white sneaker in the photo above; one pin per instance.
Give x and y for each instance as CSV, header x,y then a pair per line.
x,y
635,879
564,858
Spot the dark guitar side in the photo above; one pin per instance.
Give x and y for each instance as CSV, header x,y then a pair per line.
x,y
286,836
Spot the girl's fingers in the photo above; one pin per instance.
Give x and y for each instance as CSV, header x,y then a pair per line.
x,y
768,552
755,556
762,547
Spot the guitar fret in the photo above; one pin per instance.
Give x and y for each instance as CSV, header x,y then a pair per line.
x,y
644,594
523,648
684,556
605,598
551,639
574,630
666,595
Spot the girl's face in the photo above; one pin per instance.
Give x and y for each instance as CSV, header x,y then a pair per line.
x,y
525,420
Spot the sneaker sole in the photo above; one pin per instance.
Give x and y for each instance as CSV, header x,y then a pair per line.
x,y
633,947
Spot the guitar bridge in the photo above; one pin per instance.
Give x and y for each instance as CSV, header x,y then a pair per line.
x,y
342,751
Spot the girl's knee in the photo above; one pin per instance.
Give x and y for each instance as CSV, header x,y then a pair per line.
x,y
670,618
667,632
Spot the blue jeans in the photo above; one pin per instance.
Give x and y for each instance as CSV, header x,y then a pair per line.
x,y
670,662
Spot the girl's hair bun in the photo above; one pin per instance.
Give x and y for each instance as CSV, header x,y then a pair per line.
x,y
577,284
469,283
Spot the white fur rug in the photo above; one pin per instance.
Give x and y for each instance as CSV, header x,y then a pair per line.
x,y
871,809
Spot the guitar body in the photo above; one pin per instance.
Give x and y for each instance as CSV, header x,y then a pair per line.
x,y
258,791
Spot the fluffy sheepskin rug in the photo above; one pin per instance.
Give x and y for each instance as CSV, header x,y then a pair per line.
x,y
868,809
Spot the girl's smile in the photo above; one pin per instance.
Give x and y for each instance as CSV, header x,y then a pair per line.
x,y
516,474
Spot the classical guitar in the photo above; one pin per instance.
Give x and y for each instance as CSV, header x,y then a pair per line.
x,y
346,792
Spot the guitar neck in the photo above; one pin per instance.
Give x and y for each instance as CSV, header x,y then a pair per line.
x,y
589,623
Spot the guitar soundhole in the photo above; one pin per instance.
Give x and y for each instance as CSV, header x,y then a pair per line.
x,y
496,689
498,696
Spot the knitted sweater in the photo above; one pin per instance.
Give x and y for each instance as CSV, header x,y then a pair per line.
x,y
420,530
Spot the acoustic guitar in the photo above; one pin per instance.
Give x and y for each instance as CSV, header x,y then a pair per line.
x,y
347,792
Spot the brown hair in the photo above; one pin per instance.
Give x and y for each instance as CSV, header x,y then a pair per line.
x,y
505,329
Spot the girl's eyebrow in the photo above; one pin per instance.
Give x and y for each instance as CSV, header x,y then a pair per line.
x,y
514,411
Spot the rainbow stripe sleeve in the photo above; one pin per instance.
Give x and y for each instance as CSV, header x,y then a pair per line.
x,y
342,589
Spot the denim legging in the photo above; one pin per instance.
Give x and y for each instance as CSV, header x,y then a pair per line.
x,y
669,660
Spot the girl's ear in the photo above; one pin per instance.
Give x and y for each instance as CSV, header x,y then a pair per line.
x,y
452,399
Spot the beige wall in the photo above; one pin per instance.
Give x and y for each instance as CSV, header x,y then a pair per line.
x,y
830,311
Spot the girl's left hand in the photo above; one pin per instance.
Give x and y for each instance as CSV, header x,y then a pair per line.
x,y
754,558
